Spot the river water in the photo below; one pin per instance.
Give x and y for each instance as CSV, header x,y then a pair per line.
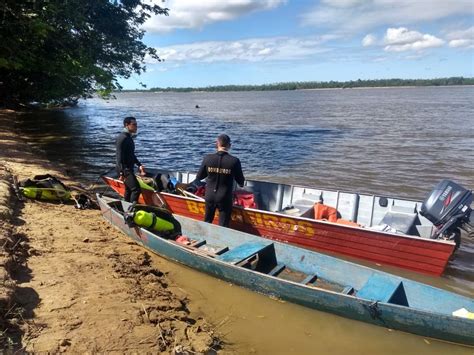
x,y
395,141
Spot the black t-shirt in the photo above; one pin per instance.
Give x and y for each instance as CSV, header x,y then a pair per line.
x,y
220,169
126,158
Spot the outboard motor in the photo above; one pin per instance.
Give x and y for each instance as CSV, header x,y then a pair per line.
x,y
448,207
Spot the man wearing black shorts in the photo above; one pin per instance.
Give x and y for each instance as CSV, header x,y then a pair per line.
x,y
220,169
126,160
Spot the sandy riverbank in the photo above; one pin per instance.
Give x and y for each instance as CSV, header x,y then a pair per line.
x,y
70,282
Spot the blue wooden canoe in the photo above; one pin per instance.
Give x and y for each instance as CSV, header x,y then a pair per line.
x,y
309,278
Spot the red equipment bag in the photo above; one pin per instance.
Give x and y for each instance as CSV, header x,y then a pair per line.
x,y
245,199
201,191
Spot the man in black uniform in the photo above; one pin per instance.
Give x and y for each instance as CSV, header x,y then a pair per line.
x,y
126,160
220,169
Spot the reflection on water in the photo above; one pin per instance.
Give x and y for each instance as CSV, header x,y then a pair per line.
x,y
256,323
397,142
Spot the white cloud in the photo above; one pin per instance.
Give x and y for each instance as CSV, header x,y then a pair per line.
x,y
353,15
467,33
191,14
459,43
399,36
401,39
247,50
369,40
461,38
379,59
413,56
343,3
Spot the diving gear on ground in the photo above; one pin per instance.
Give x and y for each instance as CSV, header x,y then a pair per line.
x,y
44,187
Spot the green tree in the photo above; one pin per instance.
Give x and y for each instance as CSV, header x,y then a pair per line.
x,y
330,84
52,51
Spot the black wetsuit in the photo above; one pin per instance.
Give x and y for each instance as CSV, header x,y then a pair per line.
x,y
220,169
126,160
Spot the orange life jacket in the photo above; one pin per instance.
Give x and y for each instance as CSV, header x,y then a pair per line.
x,y
328,213
325,212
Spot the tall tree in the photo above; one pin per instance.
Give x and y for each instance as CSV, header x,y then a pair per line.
x,y
55,50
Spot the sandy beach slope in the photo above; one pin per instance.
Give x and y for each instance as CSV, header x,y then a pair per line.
x,y
71,282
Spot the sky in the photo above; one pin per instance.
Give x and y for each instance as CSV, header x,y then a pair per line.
x,y
220,42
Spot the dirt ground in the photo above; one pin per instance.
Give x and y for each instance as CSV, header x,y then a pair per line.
x,y
71,282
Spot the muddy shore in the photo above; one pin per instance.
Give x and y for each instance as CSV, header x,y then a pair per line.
x,y
71,282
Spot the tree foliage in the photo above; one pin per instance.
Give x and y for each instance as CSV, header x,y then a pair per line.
x,y
55,50
302,85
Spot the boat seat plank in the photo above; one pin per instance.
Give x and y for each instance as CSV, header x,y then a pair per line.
x,y
222,251
198,243
244,251
195,246
198,251
276,270
248,262
309,279
381,288
348,290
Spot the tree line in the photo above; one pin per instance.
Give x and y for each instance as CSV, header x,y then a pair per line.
x,y
57,51
307,85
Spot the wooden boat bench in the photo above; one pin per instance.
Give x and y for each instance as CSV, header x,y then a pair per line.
x,y
196,244
309,279
242,253
380,288
277,269
348,290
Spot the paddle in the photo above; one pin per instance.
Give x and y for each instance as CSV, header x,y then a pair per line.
x,y
189,194
162,201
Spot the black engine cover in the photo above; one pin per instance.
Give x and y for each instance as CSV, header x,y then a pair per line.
x,y
447,200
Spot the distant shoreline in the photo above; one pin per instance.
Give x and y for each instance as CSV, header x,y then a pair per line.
x,y
391,87
317,85
312,89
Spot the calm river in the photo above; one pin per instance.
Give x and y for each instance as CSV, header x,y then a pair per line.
x,y
394,141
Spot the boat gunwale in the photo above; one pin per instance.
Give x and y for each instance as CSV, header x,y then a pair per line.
x,y
280,183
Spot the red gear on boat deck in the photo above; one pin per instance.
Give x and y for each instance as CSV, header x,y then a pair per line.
x,y
245,199
182,239
201,191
